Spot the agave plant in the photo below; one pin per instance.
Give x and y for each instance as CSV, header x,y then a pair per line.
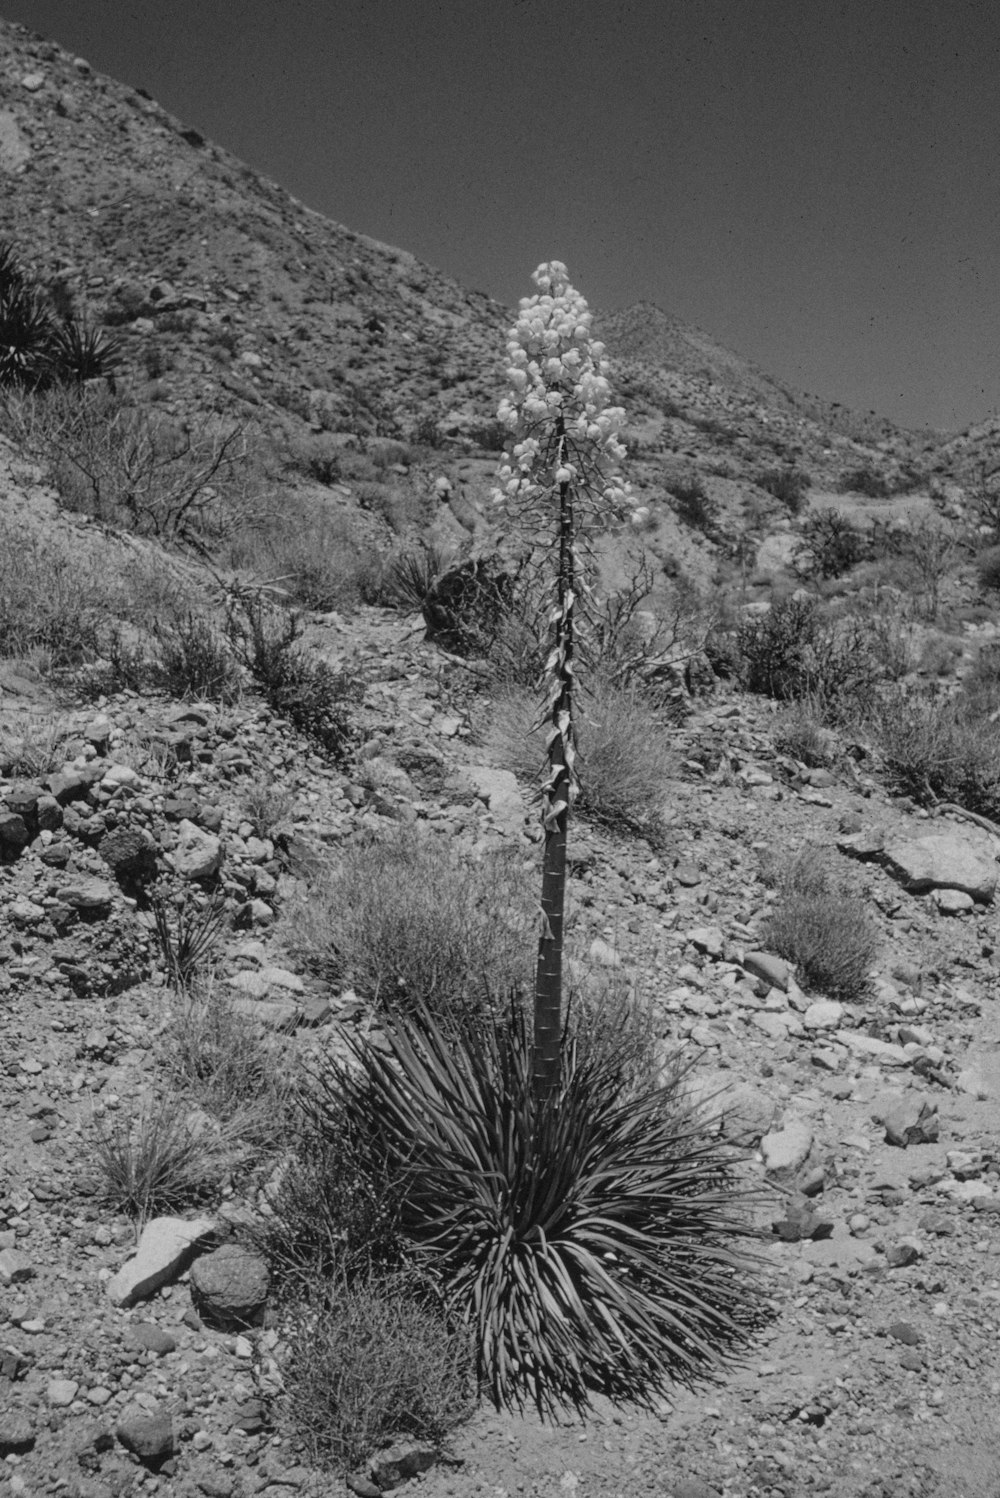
x,y
593,1241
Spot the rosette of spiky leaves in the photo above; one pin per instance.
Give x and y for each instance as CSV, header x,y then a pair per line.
x,y
80,352
593,1241
11,274
26,335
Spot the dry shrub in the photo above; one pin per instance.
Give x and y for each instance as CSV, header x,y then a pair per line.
x,y
799,733
316,554
937,748
406,923
371,1361
817,924
223,1062
625,757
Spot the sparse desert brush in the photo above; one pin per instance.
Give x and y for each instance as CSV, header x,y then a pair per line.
x,y
319,557
692,503
158,1158
793,652
625,755
223,1061
799,731
789,485
369,1361
35,746
866,481
827,932
936,748
988,570
267,804
831,545
193,660
188,926
406,924
316,697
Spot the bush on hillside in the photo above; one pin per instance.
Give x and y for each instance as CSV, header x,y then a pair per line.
x,y
692,504
42,345
831,545
939,749
625,758
791,653
823,929
988,570
307,690
788,485
407,925
866,481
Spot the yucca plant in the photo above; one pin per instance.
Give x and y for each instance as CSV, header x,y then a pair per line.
x,y
592,1240
26,334
80,352
188,937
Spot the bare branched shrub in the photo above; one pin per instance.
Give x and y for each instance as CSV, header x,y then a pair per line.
x,y
827,932
125,465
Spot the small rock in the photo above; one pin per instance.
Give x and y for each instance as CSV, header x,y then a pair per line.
x,y
604,954
906,1251
688,875
913,1120
15,1268
953,901
773,970
786,1151
87,894
903,1331
824,1014
396,1464
17,1434
149,1437
151,1338
61,1392
198,854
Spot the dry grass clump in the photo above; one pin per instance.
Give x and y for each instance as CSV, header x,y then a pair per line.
x,y
624,754
224,1063
941,749
316,554
799,733
827,932
162,1157
267,804
407,924
372,1360
37,747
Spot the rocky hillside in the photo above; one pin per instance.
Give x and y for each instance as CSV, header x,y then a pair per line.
x,y
137,811
230,295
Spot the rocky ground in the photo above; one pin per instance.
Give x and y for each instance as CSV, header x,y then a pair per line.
x,y
873,1126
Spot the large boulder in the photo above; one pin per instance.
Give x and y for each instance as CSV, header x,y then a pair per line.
x,y
942,860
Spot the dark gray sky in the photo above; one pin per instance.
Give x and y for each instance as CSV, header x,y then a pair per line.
x,y
814,182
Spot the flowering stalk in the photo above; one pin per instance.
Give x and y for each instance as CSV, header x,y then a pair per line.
x,y
557,487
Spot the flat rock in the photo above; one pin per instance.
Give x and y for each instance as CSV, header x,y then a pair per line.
x,y
87,894
162,1254
882,1051
15,1267
17,1433
824,1014
501,793
942,860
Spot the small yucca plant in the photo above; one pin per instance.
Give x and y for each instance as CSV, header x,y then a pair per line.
x,y
591,1240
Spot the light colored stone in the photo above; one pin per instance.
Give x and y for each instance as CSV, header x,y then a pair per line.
x,y
198,854
882,1051
707,939
15,1267
162,1254
14,149
604,954
953,901
786,1151
824,1014
502,794
942,860
771,969
61,1392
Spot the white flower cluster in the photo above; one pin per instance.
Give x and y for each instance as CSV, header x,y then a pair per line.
x,y
558,403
